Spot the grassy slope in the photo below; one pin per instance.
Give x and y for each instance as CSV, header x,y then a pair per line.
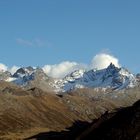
x,y
26,113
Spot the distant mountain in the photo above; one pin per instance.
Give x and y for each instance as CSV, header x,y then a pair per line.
x,y
28,77
110,77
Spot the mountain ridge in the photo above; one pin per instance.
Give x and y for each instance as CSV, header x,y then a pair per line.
x,y
111,77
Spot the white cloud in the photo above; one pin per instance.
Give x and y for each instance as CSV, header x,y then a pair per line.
x,y
33,43
3,67
99,61
62,69
102,60
13,69
24,42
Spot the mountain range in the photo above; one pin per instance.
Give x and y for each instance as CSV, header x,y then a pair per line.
x,y
112,78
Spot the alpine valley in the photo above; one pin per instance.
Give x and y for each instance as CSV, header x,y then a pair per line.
x,y
83,104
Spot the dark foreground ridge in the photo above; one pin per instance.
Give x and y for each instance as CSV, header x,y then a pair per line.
x,y
121,125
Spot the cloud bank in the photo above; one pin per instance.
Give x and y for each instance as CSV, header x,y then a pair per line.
x,y
62,69
99,61
3,67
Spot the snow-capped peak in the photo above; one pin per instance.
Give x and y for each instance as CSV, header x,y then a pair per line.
x,y
75,75
25,71
110,77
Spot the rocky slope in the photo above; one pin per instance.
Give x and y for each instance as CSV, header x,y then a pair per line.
x,y
23,113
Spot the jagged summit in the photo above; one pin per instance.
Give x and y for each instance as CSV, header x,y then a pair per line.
x,y
27,77
110,77
23,71
112,66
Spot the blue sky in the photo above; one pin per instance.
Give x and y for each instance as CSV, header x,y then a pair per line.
x,y
39,32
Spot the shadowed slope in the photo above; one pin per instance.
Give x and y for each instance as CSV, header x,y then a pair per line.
x,y
123,125
68,134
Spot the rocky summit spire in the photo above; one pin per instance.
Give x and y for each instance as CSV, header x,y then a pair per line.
x,y
112,66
